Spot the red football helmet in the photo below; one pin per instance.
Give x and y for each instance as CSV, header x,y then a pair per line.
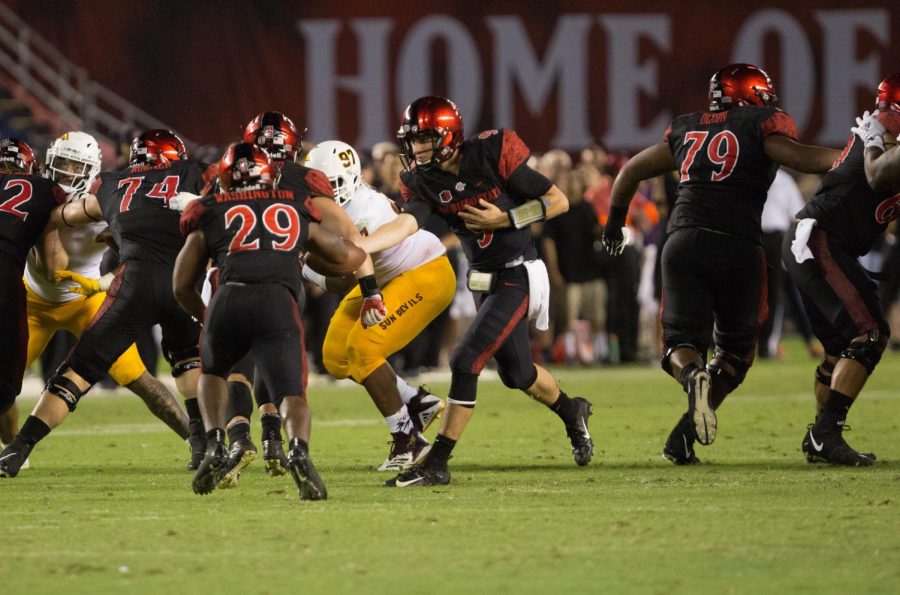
x,y
157,146
245,166
16,156
276,133
888,97
436,118
740,84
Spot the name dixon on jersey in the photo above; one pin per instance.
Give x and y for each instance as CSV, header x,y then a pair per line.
x,y
400,311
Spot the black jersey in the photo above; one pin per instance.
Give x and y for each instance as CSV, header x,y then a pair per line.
x,y
493,168
254,236
135,202
25,206
846,206
724,172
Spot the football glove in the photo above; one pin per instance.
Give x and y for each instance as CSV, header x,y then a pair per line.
x,y
614,236
869,130
373,309
180,201
87,286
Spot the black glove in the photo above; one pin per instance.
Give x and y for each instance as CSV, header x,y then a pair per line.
x,y
613,238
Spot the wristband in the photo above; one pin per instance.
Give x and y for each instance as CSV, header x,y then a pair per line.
x,y
617,216
369,286
528,213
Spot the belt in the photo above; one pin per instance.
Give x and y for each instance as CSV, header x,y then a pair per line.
x,y
508,265
236,283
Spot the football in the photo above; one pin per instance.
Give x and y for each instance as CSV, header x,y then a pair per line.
x,y
323,266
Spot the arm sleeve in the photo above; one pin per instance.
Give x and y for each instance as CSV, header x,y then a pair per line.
x,y
779,123
318,184
415,205
513,153
890,120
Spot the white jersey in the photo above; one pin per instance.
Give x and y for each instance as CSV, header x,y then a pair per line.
x,y
369,210
84,258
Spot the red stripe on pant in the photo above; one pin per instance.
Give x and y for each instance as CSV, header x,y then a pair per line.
x,y
111,293
838,281
498,342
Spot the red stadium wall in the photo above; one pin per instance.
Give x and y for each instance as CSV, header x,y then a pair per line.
x,y
560,73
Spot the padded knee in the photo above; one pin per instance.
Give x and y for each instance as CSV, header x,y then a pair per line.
x,y
868,352
518,378
364,361
823,372
183,361
463,389
727,371
666,362
65,389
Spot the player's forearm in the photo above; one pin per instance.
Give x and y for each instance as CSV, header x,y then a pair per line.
x,y
80,211
390,234
51,255
557,202
191,302
367,268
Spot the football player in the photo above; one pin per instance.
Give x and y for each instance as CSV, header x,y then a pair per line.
x,y
255,234
846,216
26,204
417,284
134,202
713,267
73,162
485,191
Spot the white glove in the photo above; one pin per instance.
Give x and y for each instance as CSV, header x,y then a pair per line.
x,y
869,130
180,201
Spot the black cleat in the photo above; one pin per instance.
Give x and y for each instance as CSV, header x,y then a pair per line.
x,y
699,408
582,445
273,454
12,458
823,446
241,454
679,447
305,475
197,443
426,474
211,468
424,408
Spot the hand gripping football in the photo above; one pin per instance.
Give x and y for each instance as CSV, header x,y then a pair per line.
x,y
326,267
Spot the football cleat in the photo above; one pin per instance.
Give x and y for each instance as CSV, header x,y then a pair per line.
x,y
13,459
424,408
197,444
582,445
433,474
679,447
305,475
211,468
824,446
273,455
699,408
406,450
241,454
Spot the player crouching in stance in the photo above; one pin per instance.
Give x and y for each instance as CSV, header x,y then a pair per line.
x,y
713,267
847,215
255,234
487,194
417,283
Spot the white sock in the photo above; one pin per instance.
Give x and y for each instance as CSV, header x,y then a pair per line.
x,y
400,421
406,390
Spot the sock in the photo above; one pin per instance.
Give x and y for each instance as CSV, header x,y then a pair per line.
x,y
406,390
301,444
835,412
33,431
441,449
193,409
238,431
271,423
400,422
564,407
215,435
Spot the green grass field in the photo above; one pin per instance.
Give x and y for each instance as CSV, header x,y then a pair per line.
x,y
108,508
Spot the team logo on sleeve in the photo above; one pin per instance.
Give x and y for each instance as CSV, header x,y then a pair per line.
x,y
445,196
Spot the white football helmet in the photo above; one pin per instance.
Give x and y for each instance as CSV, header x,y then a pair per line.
x,y
73,161
340,163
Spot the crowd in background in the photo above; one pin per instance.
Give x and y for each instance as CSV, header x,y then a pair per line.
x,y
603,310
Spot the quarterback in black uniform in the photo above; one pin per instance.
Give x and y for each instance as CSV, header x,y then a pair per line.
x,y
848,213
489,196
713,267
26,204
255,234
135,203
